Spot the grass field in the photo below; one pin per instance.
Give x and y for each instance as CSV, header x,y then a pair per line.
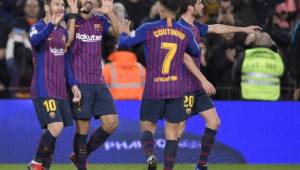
x,y
142,167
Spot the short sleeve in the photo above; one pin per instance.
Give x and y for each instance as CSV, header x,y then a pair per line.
x,y
203,28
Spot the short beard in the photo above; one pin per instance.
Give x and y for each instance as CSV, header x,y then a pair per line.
x,y
80,6
86,12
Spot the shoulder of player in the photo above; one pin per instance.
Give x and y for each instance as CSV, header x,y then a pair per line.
x,y
200,25
147,26
38,25
100,17
151,25
185,29
158,22
182,26
181,21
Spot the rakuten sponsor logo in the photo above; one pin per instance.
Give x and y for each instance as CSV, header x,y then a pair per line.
x,y
57,51
88,38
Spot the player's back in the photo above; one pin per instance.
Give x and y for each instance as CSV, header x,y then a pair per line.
x,y
166,43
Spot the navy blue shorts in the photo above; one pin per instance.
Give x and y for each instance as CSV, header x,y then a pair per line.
x,y
196,102
51,110
96,101
171,110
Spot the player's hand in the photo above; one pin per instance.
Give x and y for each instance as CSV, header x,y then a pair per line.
x,y
76,93
250,38
124,26
73,4
56,18
106,7
252,29
208,88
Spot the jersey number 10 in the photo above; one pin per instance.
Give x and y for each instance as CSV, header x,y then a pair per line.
x,y
50,105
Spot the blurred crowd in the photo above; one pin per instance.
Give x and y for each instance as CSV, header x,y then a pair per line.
x,y
220,53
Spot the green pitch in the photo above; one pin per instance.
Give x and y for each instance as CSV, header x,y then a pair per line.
x,y
142,167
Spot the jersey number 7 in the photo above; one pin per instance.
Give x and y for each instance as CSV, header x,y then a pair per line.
x,y
172,47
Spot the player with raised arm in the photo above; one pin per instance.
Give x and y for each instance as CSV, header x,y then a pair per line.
x,y
165,42
86,62
51,72
197,87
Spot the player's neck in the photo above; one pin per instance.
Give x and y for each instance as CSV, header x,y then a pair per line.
x,y
169,15
86,16
188,18
165,18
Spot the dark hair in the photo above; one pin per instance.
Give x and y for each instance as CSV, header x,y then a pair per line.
x,y
172,5
184,4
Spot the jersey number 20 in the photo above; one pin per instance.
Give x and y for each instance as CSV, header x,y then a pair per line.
x,y
172,47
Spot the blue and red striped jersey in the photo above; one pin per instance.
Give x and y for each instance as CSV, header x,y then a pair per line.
x,y
165,43
191,83
52,70
86,49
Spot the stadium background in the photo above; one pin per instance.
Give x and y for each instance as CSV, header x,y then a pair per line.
x,y
251,132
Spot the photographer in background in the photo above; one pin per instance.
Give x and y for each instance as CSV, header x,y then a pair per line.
x,y
18,58
18,51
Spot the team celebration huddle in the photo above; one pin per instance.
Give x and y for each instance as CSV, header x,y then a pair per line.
x,y
68,84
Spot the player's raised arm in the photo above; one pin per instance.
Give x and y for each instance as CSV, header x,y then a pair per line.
x,y
135,37
224,29
39,32
73,4
107,9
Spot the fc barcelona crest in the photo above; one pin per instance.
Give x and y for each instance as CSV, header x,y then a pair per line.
x,y
97,27
188,111
52,115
